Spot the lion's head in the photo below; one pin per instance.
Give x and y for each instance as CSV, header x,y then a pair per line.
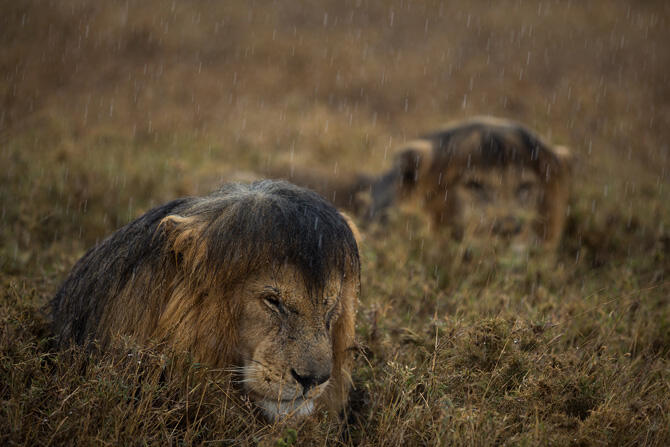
x,y
261,278
490,181
286,345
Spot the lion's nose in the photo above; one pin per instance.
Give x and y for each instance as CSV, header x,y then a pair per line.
x,y
507,226
309,380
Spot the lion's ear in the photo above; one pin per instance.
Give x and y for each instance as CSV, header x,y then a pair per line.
x,y
555,164
409,165
353,227
181,235
565,158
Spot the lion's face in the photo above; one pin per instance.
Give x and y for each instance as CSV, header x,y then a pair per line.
x,y
492,183
495,206
286,340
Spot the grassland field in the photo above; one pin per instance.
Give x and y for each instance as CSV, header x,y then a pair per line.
x,y
110,108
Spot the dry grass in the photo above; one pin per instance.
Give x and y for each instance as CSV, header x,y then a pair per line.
x,y
109,108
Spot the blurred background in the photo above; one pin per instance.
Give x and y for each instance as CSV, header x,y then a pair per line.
x,y
134,102
109,108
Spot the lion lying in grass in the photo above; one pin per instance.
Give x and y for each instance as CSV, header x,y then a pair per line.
x,y
486,179
262,277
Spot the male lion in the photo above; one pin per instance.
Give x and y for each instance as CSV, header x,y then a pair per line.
x,y
487,179
264,277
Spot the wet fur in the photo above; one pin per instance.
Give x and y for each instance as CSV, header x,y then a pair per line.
x,y
174,275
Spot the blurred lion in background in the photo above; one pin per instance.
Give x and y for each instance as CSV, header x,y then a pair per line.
x,y
263,278
487,180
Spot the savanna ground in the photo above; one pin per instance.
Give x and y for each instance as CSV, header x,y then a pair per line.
x,y
110,108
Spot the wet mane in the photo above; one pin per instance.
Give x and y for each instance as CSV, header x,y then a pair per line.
x,y
268,223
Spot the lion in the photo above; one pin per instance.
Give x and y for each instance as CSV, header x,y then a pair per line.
x,y
261,278
487,180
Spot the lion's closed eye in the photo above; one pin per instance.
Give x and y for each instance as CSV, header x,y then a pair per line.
x,y
271,299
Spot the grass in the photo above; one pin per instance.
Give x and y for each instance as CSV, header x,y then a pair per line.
x,y
111,108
